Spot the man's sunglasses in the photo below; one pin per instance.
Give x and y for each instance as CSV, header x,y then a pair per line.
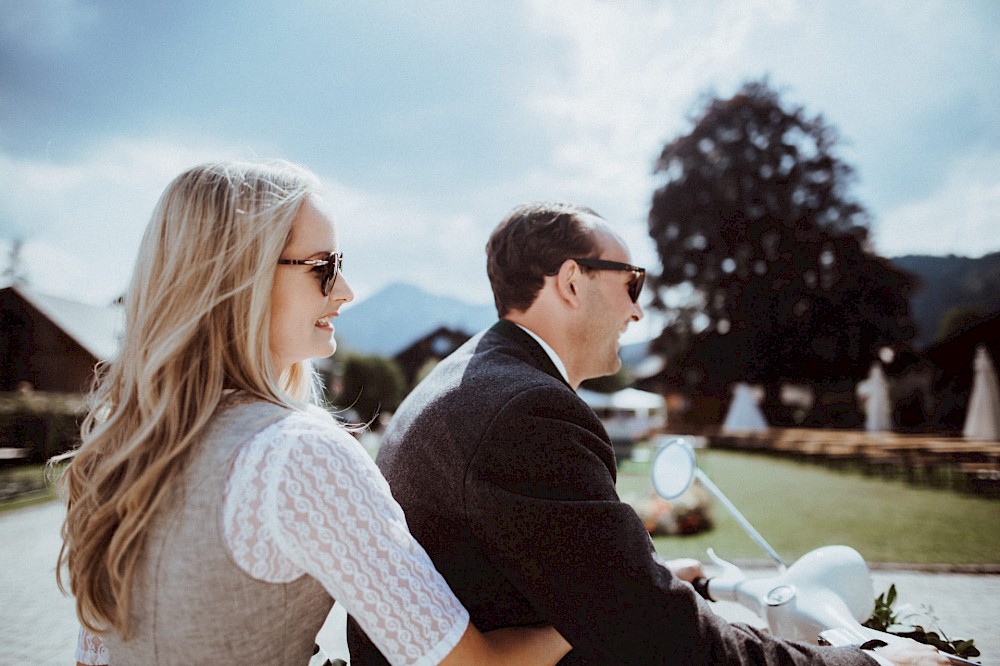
x,y
328,269
638,274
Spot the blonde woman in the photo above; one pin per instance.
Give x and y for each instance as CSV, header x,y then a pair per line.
x,y
213,512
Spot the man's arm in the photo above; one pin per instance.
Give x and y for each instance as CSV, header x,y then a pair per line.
x,y
541,499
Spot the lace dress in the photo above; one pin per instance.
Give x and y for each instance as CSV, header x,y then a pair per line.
x,y
304,498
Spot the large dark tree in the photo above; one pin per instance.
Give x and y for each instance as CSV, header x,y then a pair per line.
x,y
768,275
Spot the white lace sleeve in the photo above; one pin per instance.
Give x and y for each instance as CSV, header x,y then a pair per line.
x,y
305,497
90,649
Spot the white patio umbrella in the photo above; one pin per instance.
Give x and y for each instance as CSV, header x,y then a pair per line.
x,y
874,392
744,415
982,420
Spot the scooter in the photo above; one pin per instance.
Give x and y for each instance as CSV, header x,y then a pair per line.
x,y
822,598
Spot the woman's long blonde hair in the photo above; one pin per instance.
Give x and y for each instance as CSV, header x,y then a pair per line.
x,y
197,315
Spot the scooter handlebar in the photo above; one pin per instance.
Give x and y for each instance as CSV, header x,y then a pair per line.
x,y
701,587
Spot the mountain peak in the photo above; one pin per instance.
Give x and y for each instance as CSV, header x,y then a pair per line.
x,y
400,313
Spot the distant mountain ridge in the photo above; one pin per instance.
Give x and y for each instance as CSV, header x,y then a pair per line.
x,y
948,282
395,317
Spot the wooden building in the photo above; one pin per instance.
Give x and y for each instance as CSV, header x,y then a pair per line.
x,y
52,344
420,357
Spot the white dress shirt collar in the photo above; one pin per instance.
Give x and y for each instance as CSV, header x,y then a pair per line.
x,y
556,361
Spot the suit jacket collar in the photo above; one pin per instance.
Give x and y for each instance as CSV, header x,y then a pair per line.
x,y
539,357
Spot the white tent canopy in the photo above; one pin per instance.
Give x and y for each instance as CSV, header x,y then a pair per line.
x,y
744,414
874,394
628,414
628,398
982,421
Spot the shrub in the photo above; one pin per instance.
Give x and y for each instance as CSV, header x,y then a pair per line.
x,y
370,385
46,424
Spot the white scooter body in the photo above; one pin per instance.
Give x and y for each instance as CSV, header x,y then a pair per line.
x,y
828,587
822,598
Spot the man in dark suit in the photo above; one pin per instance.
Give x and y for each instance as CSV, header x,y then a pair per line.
x,y
507,477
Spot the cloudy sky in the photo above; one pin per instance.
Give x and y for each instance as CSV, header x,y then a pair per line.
x,y
429,120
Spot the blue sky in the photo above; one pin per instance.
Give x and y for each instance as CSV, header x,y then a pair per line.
x,y
428,121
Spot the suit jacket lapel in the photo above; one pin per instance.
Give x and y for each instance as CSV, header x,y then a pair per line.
x,y
539,357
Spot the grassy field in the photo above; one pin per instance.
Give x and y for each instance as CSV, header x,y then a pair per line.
x,y
798,506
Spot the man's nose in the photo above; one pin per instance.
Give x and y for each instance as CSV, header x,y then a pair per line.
x,y
637,312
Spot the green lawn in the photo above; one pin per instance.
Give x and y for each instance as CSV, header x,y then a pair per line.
x,y
798,506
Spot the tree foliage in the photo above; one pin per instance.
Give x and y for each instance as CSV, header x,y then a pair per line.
x,y
957,318
610,383
370,385
767,272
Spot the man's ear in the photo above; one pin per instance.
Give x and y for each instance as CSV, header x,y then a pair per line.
x,y
567,283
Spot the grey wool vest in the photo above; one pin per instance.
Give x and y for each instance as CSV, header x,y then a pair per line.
x,y
191,603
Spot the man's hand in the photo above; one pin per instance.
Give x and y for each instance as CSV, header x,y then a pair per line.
x,y
911,653
687,569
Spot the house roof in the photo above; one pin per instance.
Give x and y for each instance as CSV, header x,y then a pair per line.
x,y
96,328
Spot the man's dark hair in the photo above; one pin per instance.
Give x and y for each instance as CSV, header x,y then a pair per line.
x,y
531,242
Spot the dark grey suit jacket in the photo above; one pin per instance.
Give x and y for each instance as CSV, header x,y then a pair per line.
x,y
507,479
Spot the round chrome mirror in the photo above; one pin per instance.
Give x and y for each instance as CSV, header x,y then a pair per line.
x,y
673,468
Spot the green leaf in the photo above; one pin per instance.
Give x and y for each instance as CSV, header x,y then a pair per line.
x,y
883,619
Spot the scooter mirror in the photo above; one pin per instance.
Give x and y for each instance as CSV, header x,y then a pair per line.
x,y
673,468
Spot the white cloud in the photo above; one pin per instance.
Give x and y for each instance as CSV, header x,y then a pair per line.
x,y
961,217
634,71
81,222
386,238
607,84
631,73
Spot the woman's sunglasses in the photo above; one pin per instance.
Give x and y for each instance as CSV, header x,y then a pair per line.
x,y
328,269
638,274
